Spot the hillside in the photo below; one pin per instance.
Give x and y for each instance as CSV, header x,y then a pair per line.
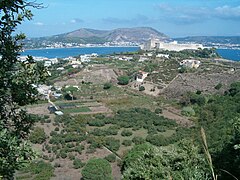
x,y
92,36
206,40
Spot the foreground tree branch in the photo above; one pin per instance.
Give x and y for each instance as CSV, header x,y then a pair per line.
x,y
16,87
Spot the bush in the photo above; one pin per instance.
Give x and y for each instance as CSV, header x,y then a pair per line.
x,y
38,136
198,92
141,88
123,80
77,163
188,111
57,165
107,85
56,129
112,144
98,123
157,140
111,158
127,142
111,131
158,111
63,154
138,140
126,133
97,169
218,86
41,169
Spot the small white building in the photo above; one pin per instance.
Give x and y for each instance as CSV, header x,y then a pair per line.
x,y
60,68
171,46
75,63
190,63
54,60
85,58
143,58
47,63
162,56
44,90
141,76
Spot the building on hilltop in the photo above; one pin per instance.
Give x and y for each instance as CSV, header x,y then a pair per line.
x,y
141,75
153,44
190,63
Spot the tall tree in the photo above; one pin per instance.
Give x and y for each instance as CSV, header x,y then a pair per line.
x,y
16,87
176,161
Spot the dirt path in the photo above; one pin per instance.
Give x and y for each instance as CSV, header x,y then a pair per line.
x,y
174,114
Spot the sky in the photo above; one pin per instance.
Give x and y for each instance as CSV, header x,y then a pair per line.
x,y
175,18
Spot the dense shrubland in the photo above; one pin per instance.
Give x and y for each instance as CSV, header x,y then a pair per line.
x,y
219,115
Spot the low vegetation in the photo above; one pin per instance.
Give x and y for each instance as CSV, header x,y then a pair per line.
x,y
97,169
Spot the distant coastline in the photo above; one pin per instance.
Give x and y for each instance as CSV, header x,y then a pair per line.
x,y
75,51
26,49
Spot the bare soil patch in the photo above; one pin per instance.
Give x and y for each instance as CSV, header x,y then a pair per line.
x,y
175,114
191,82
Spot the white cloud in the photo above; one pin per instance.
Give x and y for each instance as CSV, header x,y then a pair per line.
x,y
137,20
76,20
193,14
228,12
38,24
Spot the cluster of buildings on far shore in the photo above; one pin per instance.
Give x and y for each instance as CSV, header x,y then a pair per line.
x,y
170,46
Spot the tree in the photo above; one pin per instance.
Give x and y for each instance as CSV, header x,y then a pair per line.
x,y
38,136
176,161
107,85
123,80
16,88
70,90
141,88
97,169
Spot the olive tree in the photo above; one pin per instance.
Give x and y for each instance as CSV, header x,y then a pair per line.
x,y
97,169
16,87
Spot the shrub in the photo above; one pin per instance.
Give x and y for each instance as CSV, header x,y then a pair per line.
x,y
111,158
141,88
38,136
97,169
126,133
111,131
77,163
123,80
56,129
112,144
198,92
41,169
188,111
79,149
157,140
57,165
107,85
127,142
98,123
218,86
138,140
63,154
158,111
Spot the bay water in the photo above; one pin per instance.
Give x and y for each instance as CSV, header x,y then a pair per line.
x,y
230,54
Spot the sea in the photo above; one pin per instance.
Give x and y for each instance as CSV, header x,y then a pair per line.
x,y
230,54
66,52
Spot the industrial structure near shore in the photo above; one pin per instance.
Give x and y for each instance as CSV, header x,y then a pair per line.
x,y
170,46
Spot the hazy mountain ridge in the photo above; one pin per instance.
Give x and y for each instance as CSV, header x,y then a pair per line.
x,y
206,40
138,35
93,36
